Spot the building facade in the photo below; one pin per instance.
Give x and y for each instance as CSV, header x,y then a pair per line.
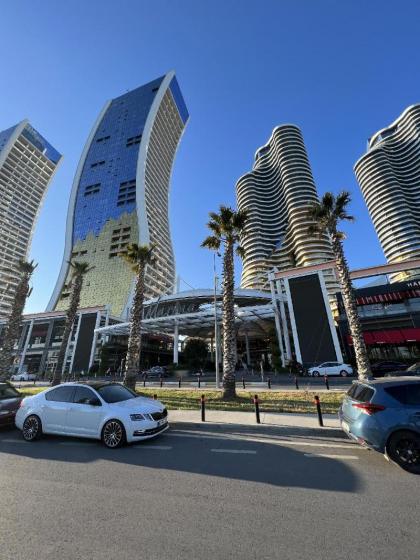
x,y
27,165
120,195
389,177
390,318
277,193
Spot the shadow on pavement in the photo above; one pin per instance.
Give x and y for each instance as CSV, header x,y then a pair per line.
x,y
273,463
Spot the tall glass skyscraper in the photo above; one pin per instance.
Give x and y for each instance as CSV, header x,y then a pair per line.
x,y
120,195
27,164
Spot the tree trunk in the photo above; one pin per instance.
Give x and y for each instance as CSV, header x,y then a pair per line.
x,y
11,333
229,335
68,326
132,362
349,299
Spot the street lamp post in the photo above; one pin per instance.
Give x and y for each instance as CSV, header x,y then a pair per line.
x,y
216,334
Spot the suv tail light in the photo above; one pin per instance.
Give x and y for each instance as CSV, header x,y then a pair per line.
x,y
369,408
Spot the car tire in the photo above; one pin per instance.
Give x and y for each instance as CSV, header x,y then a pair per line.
x,y
315,373
403,448
32,428
343,373
113,434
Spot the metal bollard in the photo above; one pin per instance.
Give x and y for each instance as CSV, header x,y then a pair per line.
x,y
199,381
318,409
203,408
155,397
296,383
257,409
243,382
161,380
179,382
269,382
327,384
144,380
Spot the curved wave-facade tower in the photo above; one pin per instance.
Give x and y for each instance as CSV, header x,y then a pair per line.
x,y
389,177
120,195
277,193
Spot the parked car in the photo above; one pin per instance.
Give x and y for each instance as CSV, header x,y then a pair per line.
x,y
412,370
156,371
9,403
24,377
331,368
106,411
384,415
379,369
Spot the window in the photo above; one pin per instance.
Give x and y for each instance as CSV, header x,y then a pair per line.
x,y
155,89
408,394
98,163
82,395
360,393
92,189
127,192
115,393
61,394
133,140
8,392
103,139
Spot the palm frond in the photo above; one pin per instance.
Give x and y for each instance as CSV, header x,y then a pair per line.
x,y
211,242
240,251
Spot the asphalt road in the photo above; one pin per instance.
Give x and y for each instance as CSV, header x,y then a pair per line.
x,y
207,492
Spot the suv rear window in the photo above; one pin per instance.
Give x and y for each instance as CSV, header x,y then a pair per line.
x,y
360,393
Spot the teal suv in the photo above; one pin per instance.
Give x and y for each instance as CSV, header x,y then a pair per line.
x,y
384,415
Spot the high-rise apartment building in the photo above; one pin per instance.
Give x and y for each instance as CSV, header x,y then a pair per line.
x,y
277,193
27,164
120,195
389,177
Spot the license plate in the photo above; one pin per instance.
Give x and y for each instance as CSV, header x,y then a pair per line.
x,y
161,422
345,426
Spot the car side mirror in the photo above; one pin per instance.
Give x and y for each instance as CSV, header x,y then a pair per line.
x,y
94,402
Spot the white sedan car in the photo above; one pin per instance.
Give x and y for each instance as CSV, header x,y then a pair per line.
x,y
24,377
331,368
106,411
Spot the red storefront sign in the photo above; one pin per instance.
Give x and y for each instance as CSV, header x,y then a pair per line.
x,y
391,336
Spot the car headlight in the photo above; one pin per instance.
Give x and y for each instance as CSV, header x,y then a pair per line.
x,y
137,417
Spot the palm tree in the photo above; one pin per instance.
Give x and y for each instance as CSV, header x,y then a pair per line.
x,y
23,291
138,256
227,228
326,215
79,271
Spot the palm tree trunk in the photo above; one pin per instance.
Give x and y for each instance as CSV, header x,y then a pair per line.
x,y
68,326
12,328
349,299
229,335
132,362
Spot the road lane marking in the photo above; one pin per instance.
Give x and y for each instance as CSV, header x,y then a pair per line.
x,y
244,451
279,442
330,456
158,447
11,440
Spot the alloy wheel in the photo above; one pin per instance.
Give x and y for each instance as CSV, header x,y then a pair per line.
x,y
31,428
113,434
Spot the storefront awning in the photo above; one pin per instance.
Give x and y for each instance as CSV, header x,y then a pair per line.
x,y
391,336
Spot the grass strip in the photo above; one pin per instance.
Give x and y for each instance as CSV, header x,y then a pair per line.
x,y
273,401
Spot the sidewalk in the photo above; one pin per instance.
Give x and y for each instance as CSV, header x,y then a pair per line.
x,y
248,418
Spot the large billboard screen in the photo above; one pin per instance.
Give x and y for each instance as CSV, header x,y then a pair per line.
x,y
313,329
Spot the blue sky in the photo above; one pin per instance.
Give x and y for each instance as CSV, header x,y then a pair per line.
x,y
341,70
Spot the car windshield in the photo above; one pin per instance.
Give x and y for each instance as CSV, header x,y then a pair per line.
x,y
7,392
116,393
